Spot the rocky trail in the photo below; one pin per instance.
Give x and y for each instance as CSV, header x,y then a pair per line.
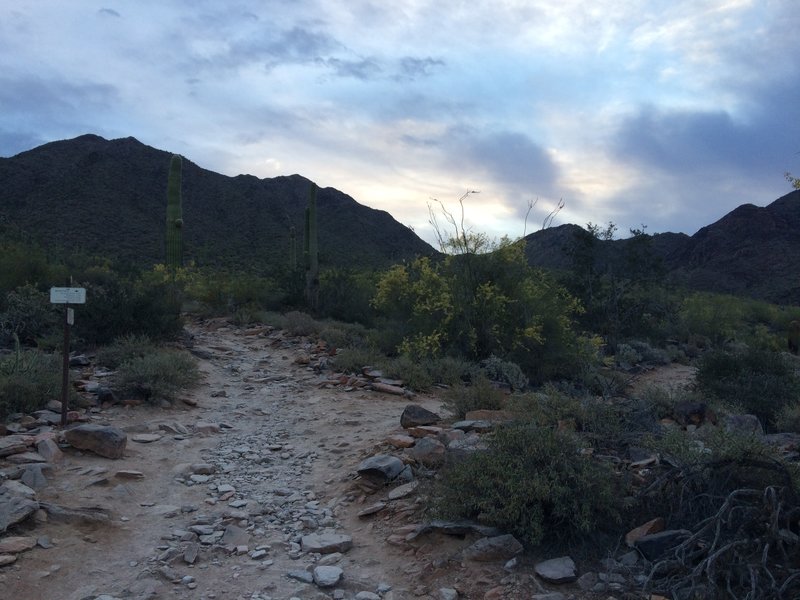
x,y
249,489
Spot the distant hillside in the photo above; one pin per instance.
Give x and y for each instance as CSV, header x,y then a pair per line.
x,y
751,251
108,197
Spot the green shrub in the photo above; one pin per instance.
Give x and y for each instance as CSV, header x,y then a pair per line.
x,y
648,354
553,408
479,395
627,357
125,348
157,376
414,374
300,323
353,360
344,335
29,379
533,483
788,418
448,370
28,314
504,371
760,381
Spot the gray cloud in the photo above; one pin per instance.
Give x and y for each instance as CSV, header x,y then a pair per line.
x,y
410,67
14,142
360,69
108,12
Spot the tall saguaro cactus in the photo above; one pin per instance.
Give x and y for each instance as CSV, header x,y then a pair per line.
x,y
174,257
312,251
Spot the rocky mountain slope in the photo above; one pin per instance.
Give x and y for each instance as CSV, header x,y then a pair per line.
x,y
108,197
752,251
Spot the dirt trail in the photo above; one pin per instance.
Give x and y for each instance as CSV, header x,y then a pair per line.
x,y
287,446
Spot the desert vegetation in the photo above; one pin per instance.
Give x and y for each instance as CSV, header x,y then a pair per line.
x,y
555,350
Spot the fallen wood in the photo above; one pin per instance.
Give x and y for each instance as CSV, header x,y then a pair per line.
x,y
388,389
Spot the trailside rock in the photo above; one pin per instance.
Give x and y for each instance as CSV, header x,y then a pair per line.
x,y
499,547
655,545
14,508
557,570
327,576
428,451
381,468
103,440
326,543
415,415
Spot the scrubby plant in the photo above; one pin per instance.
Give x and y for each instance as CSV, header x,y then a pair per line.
x,y
123,349
505,371
300,323
157,376
478,395
532,482
760,381
27,314
627,356
29,379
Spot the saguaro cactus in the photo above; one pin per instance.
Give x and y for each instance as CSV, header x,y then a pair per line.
x,y
174,258
312,251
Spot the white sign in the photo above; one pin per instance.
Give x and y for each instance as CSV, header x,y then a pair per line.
x,y
67,295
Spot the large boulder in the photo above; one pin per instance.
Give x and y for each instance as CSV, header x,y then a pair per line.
x,y
104,440
414,416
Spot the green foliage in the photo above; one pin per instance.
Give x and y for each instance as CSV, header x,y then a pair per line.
x,y
174,236
479,395
156,376
554,408
760,381
27,314
117,305
479,305
300,323
216,292
533,483
505,371
29,379
123,349
346,294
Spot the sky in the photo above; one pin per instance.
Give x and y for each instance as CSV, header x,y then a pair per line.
x,y
665,114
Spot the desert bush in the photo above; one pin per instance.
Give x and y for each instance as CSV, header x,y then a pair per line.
x,y
760,381
29,379
28,314
157,376
788,418
532,482
300,323
344,335
414,374
627,356
123,349
648,354
480,394
449,370
479,304
353,360
555,408
505,371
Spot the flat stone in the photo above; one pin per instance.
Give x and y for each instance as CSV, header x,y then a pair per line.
x,y
428,451
415,415
327,576
129,474
380,468
326,543
50,450
23,458
7,559
301,575
557,570
235,536
403,490
14,444
488,549
15,509
372,509
656,545
653,526
146,438
16,544
400,440
103,440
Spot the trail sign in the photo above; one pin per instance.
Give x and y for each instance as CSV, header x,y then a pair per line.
x,y
67,295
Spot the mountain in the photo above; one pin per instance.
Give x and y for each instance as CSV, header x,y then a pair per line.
x,y
108,197
752,251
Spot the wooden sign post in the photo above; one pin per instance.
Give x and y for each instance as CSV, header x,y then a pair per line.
x,y
66,296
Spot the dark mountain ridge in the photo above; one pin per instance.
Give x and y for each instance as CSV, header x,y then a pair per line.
x,y
108,197
752,251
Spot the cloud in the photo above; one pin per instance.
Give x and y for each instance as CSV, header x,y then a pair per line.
x,y
108,12
410,68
